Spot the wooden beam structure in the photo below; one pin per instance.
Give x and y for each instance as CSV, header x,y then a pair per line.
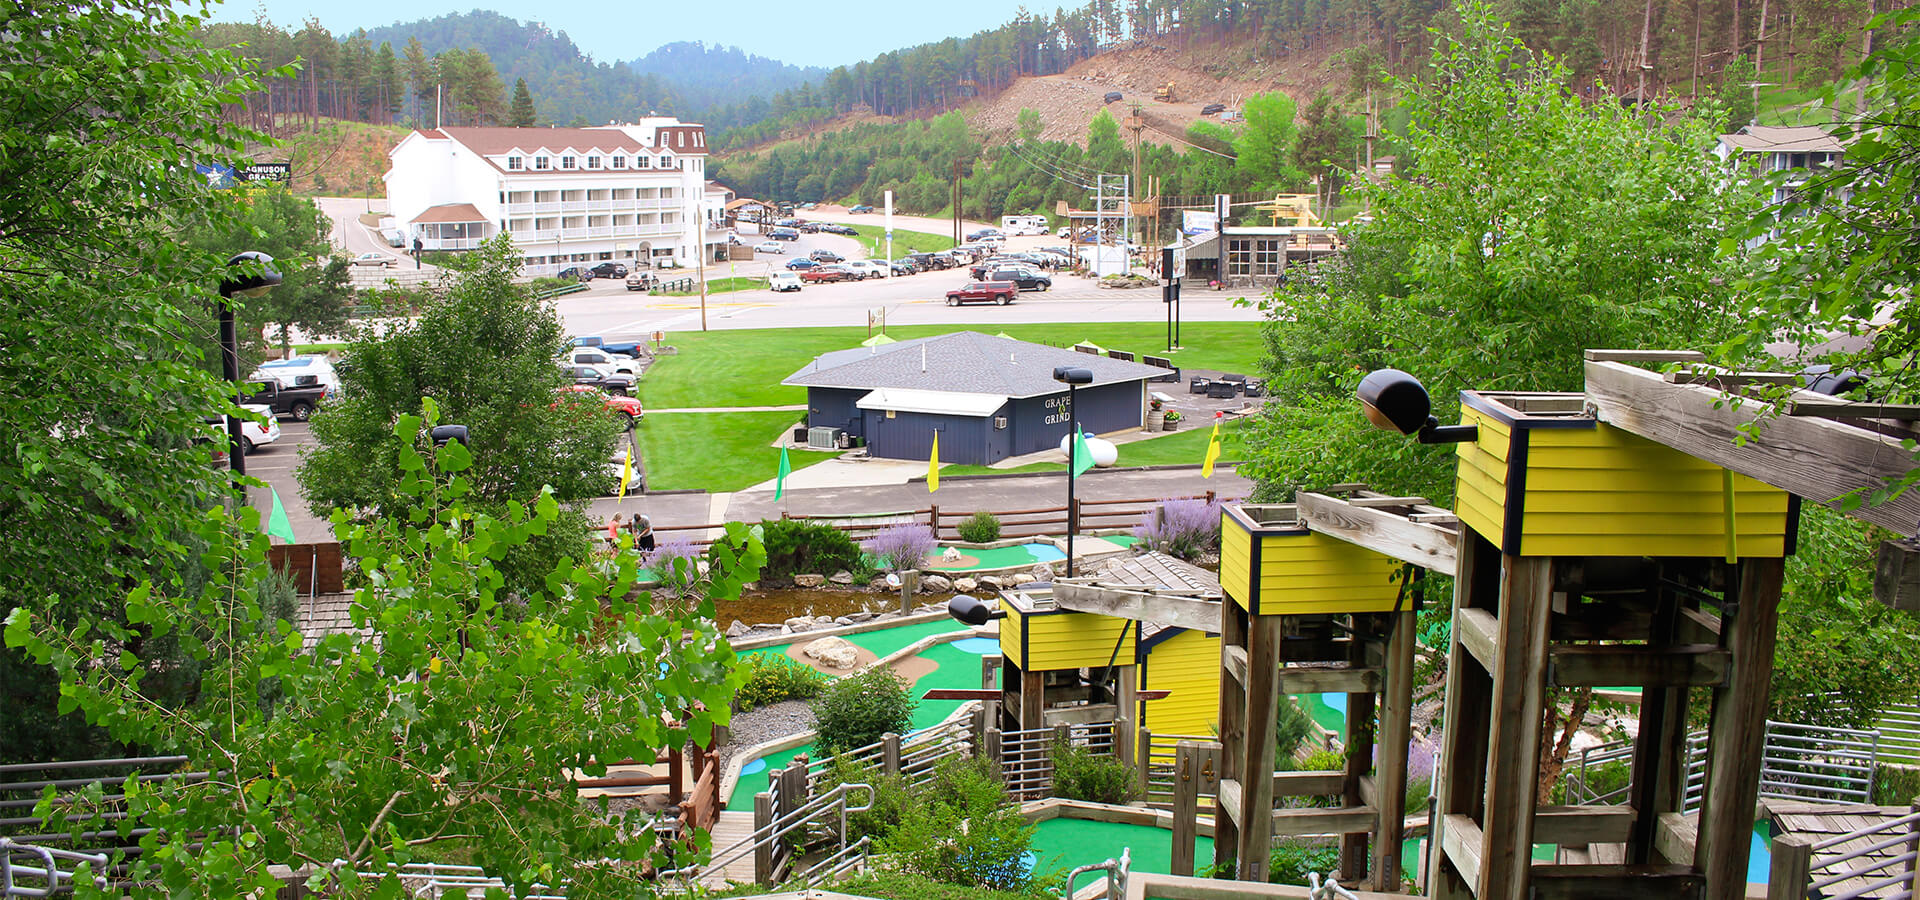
x,y
1386,525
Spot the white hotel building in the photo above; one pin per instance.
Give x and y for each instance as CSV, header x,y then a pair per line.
x,y
567,196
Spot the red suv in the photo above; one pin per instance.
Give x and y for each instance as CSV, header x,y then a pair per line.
x,y
828,273
1001,292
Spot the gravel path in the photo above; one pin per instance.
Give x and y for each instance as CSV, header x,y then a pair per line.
x,y
756,726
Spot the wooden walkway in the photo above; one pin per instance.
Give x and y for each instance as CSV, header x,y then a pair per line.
x,y
1826,821
733,827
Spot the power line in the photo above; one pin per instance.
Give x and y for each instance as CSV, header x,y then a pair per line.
x,y
1190,143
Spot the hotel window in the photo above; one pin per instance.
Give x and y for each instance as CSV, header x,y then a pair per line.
x,y
666,162
643,162
593,162
567,162
619,162
542,163
514,164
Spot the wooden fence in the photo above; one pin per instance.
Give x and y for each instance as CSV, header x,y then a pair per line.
x,y
1080,516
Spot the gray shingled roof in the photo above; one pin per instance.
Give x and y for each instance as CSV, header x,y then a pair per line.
x,y
964,361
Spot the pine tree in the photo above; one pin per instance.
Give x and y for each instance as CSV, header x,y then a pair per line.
x,y
521,115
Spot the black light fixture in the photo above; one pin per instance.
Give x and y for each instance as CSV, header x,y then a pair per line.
x,y
444,434
1396,401
1072,377
1822,379
969,610
248,274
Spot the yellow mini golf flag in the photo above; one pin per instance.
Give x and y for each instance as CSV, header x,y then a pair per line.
x,y
626,474
1213,449
933,464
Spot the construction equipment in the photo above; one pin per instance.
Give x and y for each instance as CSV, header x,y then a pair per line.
x,y
1164,93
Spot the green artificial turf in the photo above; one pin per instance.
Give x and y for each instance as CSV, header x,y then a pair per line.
x,y
717,451
744,368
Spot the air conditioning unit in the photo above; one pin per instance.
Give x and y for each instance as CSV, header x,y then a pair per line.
x,y
824,438
999,423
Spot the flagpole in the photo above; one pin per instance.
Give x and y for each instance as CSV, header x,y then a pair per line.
x,y
1073,449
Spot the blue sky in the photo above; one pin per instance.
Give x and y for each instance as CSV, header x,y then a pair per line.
x,y
824,34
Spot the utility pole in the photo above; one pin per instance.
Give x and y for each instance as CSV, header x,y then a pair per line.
x,y
1693,89
1646,29
956,202
1136,124
1759,57
703,282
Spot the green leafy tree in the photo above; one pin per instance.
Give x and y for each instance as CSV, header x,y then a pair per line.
x,y
1487,267
521,115
314,293
1029,124
452,728
1326,140
1736,92
102,481
485,352
1265,149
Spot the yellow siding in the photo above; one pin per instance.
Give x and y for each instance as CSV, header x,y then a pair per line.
x,y
1313,573
1480,492
1234,567
1188,664
1010,629
1070,640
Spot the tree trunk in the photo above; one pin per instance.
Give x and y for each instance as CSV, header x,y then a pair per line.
x,y
1553,748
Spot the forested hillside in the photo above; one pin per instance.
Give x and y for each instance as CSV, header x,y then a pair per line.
x,y
711,81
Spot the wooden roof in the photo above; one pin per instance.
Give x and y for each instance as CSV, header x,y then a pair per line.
x,y
1840,829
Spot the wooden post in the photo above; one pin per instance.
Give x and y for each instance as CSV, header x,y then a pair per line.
x,y
1359,762
993,753
1233,730
1396,731
977,726
990,671
1033,700
676,776
909,585
1513,750
1460,778
1737,729
763,849
1264,636
1790,868
1123,724
933,519
1143,739
1659,749
890,753
1194,769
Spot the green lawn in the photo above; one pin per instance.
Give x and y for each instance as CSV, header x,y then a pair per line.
x,y
744,368
874,238
721,286
716,451
1188,445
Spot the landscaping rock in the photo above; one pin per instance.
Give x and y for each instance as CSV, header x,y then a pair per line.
x,y
843,621
842,577
965,585
738,629
1043,572
859,617
833,652
1024,578
938,584
991,583
809,581
823,620
800,623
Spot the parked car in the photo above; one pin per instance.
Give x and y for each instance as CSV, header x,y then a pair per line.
x,y
769,247
983,234
625,406
611,382
1111,97
609,270
1027,279
800,264
642,281
783,234
601,359
635,349
299,371
281,400
784,281
374,259
867,268
819,274
862,208
825,256
903,267
1212,108
1001,292
926,262
576,273
261,427
845,230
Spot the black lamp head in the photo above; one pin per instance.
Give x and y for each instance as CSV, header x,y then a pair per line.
x,y
442,434
969,610
257,276
1394,400
1072,375
1822,379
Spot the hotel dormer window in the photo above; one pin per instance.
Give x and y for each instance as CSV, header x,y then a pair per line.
x,y
619,162
542,163
666,162
514,164
568,162
593,162
643,162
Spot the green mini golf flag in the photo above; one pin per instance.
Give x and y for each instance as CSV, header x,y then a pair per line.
x,y
1213,449
1082,456
780,480
277,524
933,464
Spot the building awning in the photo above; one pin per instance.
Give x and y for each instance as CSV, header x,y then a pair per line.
x,y
955,403
448,213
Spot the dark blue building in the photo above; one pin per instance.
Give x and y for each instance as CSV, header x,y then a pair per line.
x,y
988,397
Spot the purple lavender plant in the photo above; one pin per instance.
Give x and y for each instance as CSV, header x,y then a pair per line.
x,y
661,561
1181,528
898,548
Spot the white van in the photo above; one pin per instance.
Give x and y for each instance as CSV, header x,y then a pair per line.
x,y
1018,225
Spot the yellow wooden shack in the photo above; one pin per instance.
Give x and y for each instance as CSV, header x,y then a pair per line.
x,y
1271,564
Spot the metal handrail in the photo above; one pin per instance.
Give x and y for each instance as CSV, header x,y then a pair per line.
x,y
1116,869
49,870
786,824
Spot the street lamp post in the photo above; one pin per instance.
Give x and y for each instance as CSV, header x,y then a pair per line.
x,y
249,274
1072,377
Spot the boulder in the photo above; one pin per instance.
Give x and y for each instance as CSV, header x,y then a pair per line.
x,y
965,585
833,652
1024,578
938,584
800,623
1042,572
842,577
823,620
809,581
737,629
859,617
991,583
843,621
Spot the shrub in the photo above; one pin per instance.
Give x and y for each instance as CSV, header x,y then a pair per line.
x,y
891,797
909,886
899,548
855,711
1324,761
961,830
797,546
980,528
774,678
1574,786
1079,774
1293,858
1896,785
1182,528
1291,727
